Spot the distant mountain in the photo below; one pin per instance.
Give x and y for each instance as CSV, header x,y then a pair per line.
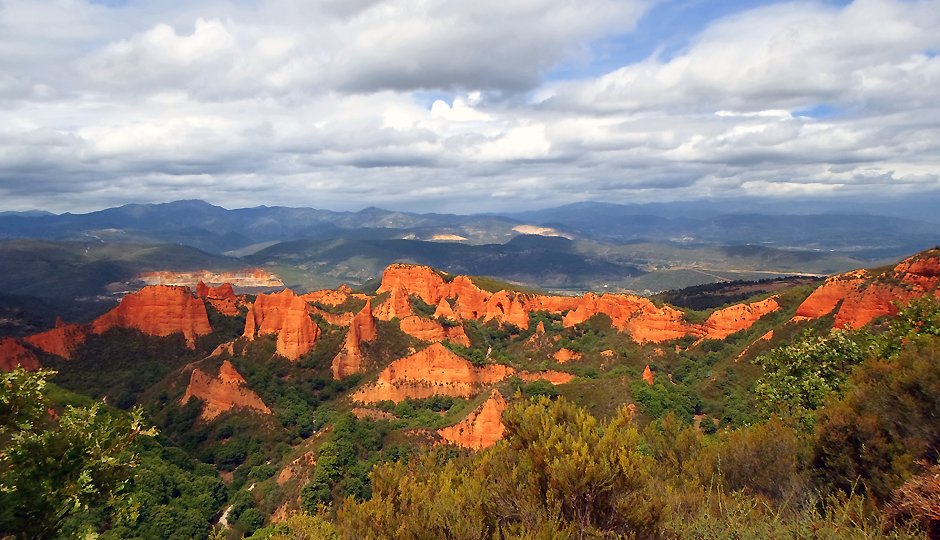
x,y
215,229
869,237
531,259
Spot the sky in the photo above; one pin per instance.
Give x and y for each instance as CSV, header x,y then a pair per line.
x,y
456,106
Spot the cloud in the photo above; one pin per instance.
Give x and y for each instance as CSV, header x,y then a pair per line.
x,y
326,104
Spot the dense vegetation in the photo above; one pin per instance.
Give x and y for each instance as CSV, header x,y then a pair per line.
x,y
817,433
843,448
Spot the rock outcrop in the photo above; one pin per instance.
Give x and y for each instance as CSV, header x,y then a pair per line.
x,y
830,294
13,354
286,315
648,375
222,298
509,307
222,393
435,370
329,297
349,359
724,322
251,277
433,331
860,297
444,310
421,281
158,310
563,356
397,305
482,428
61,340
554,377
470,300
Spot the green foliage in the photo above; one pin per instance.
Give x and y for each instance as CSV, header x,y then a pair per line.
x,y
133,362
561,474
53,468
535,389
799,377
299,527
421,308
663,397
343,463
869,440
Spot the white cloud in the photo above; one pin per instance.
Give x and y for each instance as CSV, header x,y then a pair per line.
x,y
326,104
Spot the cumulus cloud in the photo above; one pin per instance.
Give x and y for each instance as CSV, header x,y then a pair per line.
x,y
448,105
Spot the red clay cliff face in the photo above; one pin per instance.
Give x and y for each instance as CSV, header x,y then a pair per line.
x,y
349,360
421,281
61,340
482,428
222,393
158,310
329,297
287,315
724,322
433,371
222,298
397,305
864,297
470,299
433,331
510,307
13,355
827,296
554,377
648,375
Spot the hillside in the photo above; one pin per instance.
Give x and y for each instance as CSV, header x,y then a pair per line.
x,y
292,399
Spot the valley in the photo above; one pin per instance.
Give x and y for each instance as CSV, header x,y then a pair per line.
x,y
291,398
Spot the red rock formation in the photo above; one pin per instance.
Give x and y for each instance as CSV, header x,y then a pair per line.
x,y
871,302
471,300
566,355
222,393
433,331
421,281
13,355
482,428
285,314
865,297
61,340
554,377
445,311
227,347
329,297
158,310
724,322
222,298
648,375
826,297
538,339
349,359
433,371
554,304
651,324
510,307
396,305
638,316
336,319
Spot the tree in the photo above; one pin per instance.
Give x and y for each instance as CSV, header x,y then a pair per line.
x,y
799,377
53,467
